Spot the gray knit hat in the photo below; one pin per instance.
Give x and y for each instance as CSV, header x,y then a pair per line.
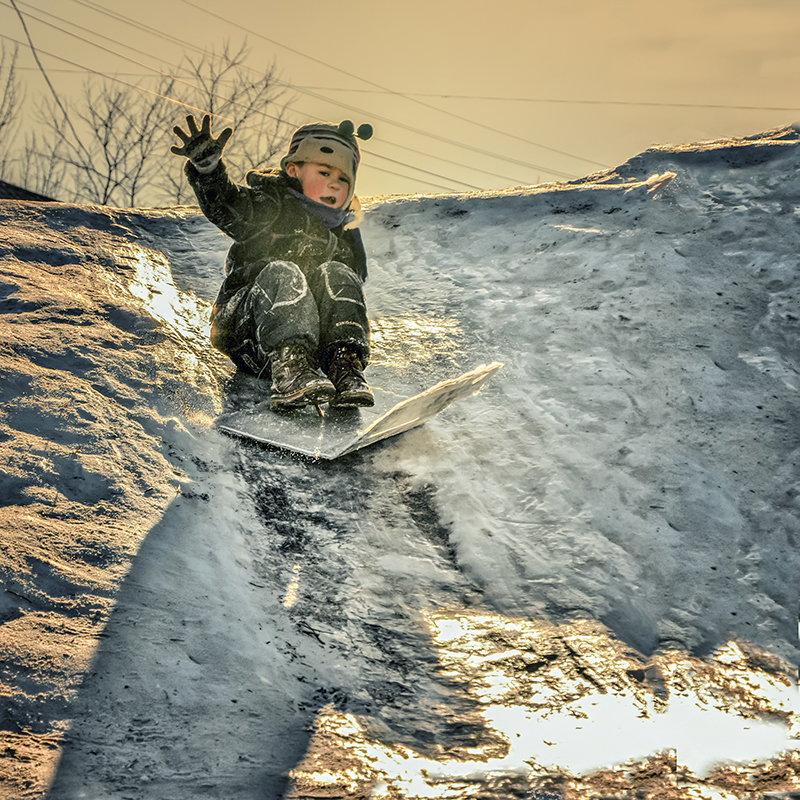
x,y
334,145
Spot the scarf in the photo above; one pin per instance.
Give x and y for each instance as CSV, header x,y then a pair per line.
x,y
330,217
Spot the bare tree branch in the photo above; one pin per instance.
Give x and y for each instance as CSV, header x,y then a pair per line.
x,y
54,93
253,103
39,171
112,146
10,101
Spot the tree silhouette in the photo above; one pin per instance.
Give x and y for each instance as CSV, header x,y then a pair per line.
x,y
111,146
10,101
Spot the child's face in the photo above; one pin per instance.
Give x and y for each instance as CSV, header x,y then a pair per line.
x,y
323,184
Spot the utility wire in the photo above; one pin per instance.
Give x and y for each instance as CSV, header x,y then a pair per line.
x,y
365,161
184,105
84,68
136,24
161,72
175,40
203,111
379,90
65,70
538,167
35,54
89,31
444,139
397,94
636,103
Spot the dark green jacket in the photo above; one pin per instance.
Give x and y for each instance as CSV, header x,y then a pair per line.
x,y
268,223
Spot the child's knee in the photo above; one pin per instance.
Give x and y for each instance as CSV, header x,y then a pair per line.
x,y
340,271
340,282
284,271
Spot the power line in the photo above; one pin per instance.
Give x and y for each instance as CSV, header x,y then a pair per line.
x,y
153,71
188,107
407,177
400,175
538,167
402,164
93,43
127,20
90,31
452,142
136,24
64,70
564,101
133,61
163,73
408,95
400,94
67,120
203,111
83,68
86,69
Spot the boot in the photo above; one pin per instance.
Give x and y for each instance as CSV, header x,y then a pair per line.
x,y
346,373
295,380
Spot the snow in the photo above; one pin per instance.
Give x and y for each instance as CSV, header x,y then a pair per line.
x,y
579,582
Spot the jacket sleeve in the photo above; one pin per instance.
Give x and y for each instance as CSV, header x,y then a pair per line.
x,y
360,255
229,206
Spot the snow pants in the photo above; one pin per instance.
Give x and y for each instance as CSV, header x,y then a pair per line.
x,y
319,308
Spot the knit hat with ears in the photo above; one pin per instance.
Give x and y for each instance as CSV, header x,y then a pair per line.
x,y
334,145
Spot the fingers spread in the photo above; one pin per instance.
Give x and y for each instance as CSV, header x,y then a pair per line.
x,y
222,139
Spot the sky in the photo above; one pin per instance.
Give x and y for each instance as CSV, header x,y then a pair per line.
x,y
463,94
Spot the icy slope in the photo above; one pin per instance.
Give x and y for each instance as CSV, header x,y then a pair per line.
x,y
638,459
580,581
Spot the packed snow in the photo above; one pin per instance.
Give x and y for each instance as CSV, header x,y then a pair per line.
x,y
580,582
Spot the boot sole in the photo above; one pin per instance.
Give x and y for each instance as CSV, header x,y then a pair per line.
x,y
353,400
309,395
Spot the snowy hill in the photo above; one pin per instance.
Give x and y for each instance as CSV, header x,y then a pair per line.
x,y
579,583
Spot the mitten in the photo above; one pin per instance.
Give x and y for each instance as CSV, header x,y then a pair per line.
x,y
199,146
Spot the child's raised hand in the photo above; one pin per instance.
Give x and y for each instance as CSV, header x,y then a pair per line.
x,y
198,145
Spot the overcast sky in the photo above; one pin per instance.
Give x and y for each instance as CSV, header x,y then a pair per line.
x,y
544,90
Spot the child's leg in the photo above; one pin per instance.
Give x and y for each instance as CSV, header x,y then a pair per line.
x,y
276,309
277,327
342,310
344,332
282,309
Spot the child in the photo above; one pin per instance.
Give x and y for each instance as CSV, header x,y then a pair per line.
x,y
292,300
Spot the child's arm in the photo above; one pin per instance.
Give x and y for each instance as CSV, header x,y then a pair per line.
x,y
227,205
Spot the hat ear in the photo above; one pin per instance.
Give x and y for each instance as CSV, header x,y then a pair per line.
x,y
346,127
364,131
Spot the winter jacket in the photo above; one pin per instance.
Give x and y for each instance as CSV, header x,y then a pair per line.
x,y
267,223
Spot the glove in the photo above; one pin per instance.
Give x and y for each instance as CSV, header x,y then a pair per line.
x,y
199,146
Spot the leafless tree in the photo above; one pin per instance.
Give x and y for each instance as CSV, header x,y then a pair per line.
x,y
107,153
42,171
112,146
252,102
10,101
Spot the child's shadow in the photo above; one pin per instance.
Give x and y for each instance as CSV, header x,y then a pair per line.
x,y
208,678
189,693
